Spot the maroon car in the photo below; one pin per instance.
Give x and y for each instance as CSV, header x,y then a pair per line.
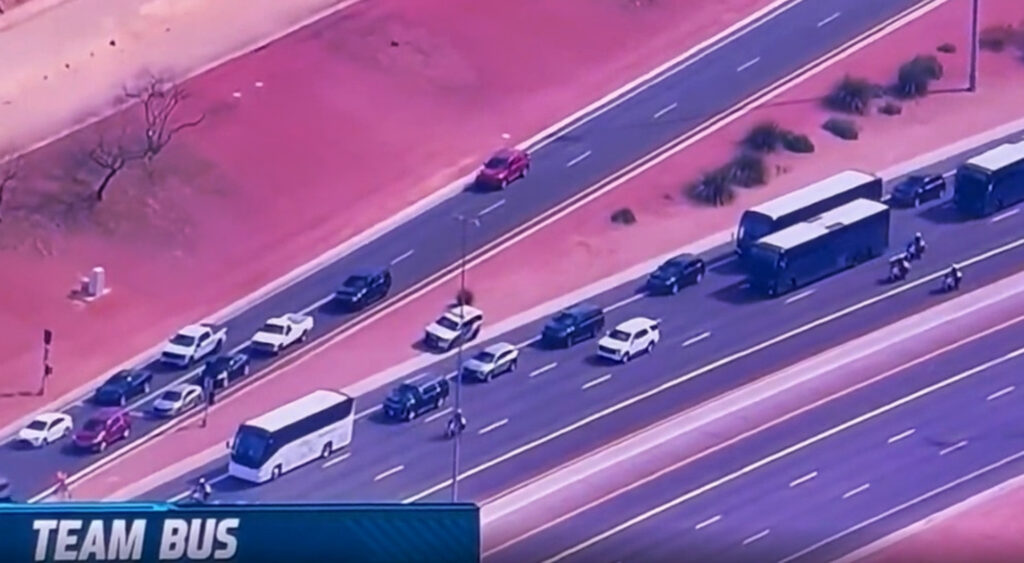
x,y
103,429
506,166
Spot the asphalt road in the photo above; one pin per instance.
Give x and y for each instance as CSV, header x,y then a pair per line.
x,y
611,138
563,403
826,482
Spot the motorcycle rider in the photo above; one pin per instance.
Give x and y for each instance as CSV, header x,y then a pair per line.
x,y
202,491
916,247
900,267
456,424
954,276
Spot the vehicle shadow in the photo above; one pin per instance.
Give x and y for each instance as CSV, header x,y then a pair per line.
x,y
227,484
942,214
727,267
739,293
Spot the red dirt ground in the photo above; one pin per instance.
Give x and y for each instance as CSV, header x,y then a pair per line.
x,y
315,149
588,247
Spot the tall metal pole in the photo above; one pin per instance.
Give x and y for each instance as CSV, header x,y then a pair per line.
x,y
458,363
973,85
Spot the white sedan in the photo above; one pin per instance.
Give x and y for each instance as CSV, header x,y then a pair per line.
x,y
178,399
636,336
46,429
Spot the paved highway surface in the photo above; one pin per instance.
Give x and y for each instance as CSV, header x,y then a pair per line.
x,y
611,138
563,403
826,482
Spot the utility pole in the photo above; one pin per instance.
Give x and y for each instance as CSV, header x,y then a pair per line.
x,y
460,301
973,85
47,368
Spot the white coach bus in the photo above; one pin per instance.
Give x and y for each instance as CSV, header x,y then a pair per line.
x,y
308,428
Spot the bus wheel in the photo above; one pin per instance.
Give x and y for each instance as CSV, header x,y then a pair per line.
x,y
328,448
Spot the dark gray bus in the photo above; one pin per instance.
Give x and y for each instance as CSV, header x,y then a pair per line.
x,y
991,181
825,245
805,203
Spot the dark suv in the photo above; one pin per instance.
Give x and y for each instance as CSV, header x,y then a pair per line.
x,y
363,288
409,400
573,325
916,190
122,387
674,273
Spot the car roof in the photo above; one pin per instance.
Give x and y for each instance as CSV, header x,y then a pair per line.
x,y
685,258
635,324
498,347
182,387
50,416
421,380
507,152
367,271
193,330
463,310
582,308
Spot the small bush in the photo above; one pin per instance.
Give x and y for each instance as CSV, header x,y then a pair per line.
x,y
764,137
797,142
624,216
996,38
852,95
464,297
947,48
915,75
845,129
890,108
713,188
748,170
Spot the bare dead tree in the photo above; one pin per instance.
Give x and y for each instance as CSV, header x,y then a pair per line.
x,y
160,99
7,177
112,158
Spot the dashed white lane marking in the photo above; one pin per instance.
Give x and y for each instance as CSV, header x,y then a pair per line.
x,y
596,382
954,447
856,491
804,479
748,64
624,302
437,415
494,426
389,472
708,522
665,110
401,257
755,537
800,296
337,460
828,20
696,339
491,207
1000,393
577,160
526,343
901,436
368,412
543,369
1006,215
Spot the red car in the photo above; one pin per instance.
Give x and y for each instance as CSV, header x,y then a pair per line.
x,y
506,166
103,429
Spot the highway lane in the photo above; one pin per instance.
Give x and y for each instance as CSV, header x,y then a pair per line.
x,y
613,137
827,481
734,321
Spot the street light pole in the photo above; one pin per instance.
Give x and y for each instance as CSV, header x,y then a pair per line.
x,y
973,84
460,301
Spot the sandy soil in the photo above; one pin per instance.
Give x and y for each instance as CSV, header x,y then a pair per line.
x,y
589,247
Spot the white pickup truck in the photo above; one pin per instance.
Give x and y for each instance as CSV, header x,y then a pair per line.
x,y
281,332
193,343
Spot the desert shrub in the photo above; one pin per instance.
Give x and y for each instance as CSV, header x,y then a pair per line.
x,y
845,129
624,216
797,142
851,95
464,297
764,137
748,169
714,188
947,48
996,38
890,108
916,74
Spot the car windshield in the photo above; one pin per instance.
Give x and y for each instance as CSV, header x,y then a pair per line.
x,y
497,162
93,425
172,396
357,282
272,328
485,357
448,323
402,393
37,425
619,335
182,340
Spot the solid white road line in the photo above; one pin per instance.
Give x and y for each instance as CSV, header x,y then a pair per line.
x,y
748,64
437,415
494,426
389,473
800,481
781,454
368,412
953,448
828,20
337,460
577,160
401,257
596,382
856,491
800,296
696,339
1005,215
543,369
528,342
755,537
665,110
624,302
900,436
491,207
1000,393
708,522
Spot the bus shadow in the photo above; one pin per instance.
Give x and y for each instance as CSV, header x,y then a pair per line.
x,y
725,268
232,485
739,293
942,214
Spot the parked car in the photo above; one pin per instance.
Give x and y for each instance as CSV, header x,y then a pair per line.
x,y
572,325
103,429
492,361
281,332
122,387
916,190
46,429
413,398
504,167
363,288
675,273
178,399
628,340
193,343
460,323
223,370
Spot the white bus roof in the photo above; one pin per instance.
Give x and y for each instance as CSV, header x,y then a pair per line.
x,y
286,414
802,232
819,190
995,159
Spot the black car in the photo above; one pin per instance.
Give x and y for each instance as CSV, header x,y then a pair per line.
x,y
363,288
410,399
223,370
122,387
916,190
573,325
674,273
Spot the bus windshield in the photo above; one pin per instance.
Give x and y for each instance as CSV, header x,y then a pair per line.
x,y
754,225
251,447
